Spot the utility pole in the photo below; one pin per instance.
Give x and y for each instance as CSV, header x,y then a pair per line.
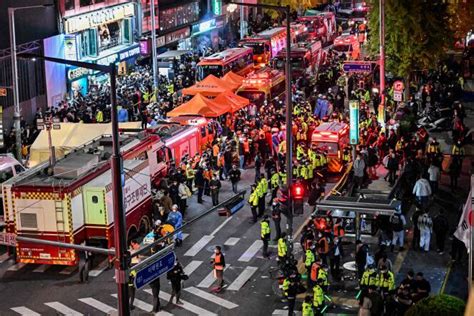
x,y
381,109
153,46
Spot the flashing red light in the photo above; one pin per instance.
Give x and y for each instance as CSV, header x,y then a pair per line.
x,y
298,191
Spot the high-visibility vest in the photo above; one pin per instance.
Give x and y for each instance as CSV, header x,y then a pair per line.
x,y
274,180
282,147
253,198
133,273
282,177
285,286
318,296
386,282
457,151
324,160
338,230
189,172
433,148
309,258
369,277
263,186
282,248
307,309
299,152
322,274
303,172
315,267
324,242
218,262
264,228
99,116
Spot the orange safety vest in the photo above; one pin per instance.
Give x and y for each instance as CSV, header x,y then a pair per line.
x,y
218,262
215,150
314,271
246,146
323,242
320,223
338,231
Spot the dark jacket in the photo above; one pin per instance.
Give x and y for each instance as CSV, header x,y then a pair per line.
x,y
234,175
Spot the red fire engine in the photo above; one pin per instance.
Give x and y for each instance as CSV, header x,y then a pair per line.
x,y
321,26
305,58
263,85
333,138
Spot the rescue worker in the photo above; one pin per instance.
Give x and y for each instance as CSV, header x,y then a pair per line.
x,y
458,151
314,272
433,148
338,230
265,234
369,277
307,307
318,297
262,189
323,275
276,217
282,248
323,247
346,155
189,171
253,201
274,183
308,261
219,266
385,281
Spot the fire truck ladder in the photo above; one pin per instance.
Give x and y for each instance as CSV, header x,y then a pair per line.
x,y
60,223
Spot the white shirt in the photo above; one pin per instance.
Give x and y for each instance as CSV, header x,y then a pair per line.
x,y
434,173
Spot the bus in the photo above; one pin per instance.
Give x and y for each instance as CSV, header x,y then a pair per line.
x,y
305,58
332,137
238,60
263,85
267,44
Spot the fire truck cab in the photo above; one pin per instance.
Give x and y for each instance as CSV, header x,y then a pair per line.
x,y
262,85
333,138
348,45
305,58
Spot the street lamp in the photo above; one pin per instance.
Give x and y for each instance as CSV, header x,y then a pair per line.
x,y
13,52
153,45
381,109
120,233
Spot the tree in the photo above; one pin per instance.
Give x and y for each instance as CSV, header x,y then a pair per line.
x,y
461,15
295,5
439,305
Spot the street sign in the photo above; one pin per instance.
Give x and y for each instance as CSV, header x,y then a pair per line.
x,y
357,66
3,92
398,86
397,96
155,270
353,122
8,239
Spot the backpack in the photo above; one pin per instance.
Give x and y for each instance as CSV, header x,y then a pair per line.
x,y
396,222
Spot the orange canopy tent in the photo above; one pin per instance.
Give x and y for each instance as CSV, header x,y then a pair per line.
x,y
202,106
233,79
210,86
235,101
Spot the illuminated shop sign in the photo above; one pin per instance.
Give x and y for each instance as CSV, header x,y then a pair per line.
x,y
204,26
89,20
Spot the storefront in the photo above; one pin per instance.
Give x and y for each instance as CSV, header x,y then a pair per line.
x,y
179,39
209,33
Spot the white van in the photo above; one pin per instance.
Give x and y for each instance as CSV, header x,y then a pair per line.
x,y
9,168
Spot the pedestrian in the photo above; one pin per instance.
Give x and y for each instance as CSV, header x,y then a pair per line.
x,y
440,228
335,255
155,291
85,263
434,177
176,219
276,217
184,193
398,223
176,275
134,246
422,192
392,166
265,234
199,181
416,229
376,300
291,295
422,287
215,186
359,167
219,266
234,175
365,306
454,172
361,257
425,224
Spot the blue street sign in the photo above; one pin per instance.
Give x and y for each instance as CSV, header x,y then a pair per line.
x,y
357,66
155,270
353,122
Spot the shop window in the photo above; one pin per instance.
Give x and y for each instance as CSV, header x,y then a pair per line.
x,y
109,35
69,5
84,3
89,43
127,31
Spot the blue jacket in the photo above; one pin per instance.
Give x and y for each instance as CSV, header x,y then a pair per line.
x,y
122,115
176,219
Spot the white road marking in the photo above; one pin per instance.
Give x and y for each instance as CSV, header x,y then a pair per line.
x,y
220,226
209,279
251,251
42,268
99,269
146,307
4,257
191,267
22,310
211,298
186,305
242,278
232,241
185,235
284,312
68,270
198,246
17,266
98,305
63,309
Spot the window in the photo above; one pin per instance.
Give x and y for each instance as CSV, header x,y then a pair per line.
x,y
19,169
6,174
95,199
84,3
28,220
160,156
69,5
277,90
203,131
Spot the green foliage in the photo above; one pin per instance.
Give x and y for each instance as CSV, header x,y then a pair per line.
x,y
439,305
417,34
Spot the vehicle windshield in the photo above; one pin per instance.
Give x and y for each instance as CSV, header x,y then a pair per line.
x,y
297,62
206,70
256,97
342,48
280,63
330,147
6,174
258,48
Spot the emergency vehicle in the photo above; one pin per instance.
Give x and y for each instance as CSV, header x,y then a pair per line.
x,y
332,137
71,202
9,168
320,25
238,60
305,58
263,85
349,45
300,30
267,44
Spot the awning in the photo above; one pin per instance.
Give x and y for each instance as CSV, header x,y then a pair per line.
x,y
173,54
199,105
233,79
234,101
359,205
210,86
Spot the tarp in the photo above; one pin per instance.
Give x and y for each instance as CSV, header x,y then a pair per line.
x,y
173,54
235,101
201,106
233,79
70,136
210,86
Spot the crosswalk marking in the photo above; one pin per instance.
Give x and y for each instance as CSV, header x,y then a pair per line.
x,y
211,298
191,267
17,266
4,257
22,310
98,305
198,246
68,270
285,312
209,279
99,269
42,268
185,235
242,278
186,305
220,226
251,251
232,241
146,307
63,309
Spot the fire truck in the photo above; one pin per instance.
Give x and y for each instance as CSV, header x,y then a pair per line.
x,y
71,202
320,26
267,44
305,58
263,85
332,137
348,45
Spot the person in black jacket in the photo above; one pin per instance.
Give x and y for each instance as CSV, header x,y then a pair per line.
x,y
199,182
234,175
215,186
440,228
175,276
335,255
155,290
174,192
392,166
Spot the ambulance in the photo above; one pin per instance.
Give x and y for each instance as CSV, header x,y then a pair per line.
x,y
332,137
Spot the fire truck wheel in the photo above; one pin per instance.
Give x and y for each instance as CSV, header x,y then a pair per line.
x,y
144,226
132,233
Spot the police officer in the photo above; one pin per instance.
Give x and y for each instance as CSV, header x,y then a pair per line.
x,y
276,217
262,189
369,277
253,201
282,248
274,183
307,307
318,296
309,258
385,281
265,234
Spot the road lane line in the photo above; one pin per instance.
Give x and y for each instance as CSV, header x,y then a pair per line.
x,y
211,298
99,269
17,266
209,279
98,305
232,241
63,309
191,267
68,270
251,251
22,310
42,268
185,235
186,305
220,226
198,246
242,278
144,306
285,312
